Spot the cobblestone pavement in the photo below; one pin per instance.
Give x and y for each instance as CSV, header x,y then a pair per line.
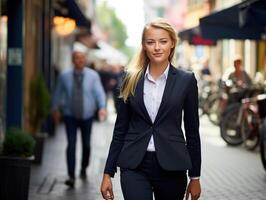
x,y
227,172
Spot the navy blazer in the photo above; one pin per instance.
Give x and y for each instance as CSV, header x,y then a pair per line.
x,y
133,127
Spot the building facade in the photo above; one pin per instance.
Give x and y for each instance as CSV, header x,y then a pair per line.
x,y
229,48
28,47
221,56
3,50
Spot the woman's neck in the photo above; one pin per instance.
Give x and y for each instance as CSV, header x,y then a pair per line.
x,y
157,69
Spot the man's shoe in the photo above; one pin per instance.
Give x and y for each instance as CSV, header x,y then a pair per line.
x,y
70,182
83,174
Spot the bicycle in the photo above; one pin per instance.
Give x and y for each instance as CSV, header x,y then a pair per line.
x,y
218,101
241,121
262,134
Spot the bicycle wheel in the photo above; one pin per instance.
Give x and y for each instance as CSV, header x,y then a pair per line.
x,y
263,143
230,132
214,112
201,106
250,130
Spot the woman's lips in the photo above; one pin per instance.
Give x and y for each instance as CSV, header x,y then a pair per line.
x,y
157,54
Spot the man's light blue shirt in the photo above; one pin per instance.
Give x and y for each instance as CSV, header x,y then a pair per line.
x,y
93,93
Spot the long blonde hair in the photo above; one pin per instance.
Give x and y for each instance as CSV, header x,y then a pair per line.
x,y
141,60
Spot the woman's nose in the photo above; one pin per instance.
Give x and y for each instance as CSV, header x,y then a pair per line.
x,y
157,45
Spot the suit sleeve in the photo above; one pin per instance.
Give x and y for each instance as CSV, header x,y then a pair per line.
x,y
120,129
191,123
99,92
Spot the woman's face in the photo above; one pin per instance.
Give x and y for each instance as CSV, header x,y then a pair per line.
x,y
157,44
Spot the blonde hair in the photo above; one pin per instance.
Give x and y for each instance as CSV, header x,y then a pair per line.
x,y
141,60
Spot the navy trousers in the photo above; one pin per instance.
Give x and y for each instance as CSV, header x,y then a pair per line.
x,y
150,179
72,126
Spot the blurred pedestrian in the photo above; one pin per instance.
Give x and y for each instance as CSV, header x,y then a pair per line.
x,y
116,81
205,72
148,143
105,75
80,91
239,76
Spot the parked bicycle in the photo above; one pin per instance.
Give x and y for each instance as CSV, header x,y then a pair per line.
x,y
206,90
228,94
241,122
262,135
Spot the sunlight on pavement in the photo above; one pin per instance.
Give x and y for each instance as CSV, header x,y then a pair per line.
x,y
210,133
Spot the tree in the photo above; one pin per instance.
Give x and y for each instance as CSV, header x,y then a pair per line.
x,y
113,27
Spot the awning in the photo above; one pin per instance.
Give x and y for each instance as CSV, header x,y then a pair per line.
x,y
69,8
193,36
253,14
3,7
109,53
235,22
90,41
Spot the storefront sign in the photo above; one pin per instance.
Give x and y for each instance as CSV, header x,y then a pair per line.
x,y
14,56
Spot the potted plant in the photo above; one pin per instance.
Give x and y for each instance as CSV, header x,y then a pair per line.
x,y
15,162
38,110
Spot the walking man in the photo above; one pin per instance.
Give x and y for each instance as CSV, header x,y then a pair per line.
x,y
79,93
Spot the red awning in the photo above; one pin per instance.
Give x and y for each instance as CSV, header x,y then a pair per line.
x,y
193,36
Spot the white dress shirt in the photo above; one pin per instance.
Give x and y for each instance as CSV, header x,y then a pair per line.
x,y
153,93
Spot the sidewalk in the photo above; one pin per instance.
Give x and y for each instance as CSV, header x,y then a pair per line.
x,y
47,180
228,173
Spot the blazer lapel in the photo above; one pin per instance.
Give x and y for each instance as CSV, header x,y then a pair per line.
x,y
170,82
140,99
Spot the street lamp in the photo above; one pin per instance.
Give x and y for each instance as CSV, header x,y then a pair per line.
x,y
63,25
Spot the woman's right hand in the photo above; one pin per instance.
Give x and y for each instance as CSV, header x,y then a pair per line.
x,y
107,188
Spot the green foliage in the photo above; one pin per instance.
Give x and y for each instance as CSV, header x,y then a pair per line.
x,y
18,143
129,51
39,103
112,25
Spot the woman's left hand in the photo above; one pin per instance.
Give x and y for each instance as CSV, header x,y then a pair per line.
x,y
193,189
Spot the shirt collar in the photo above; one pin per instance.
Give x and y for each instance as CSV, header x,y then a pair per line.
x,y
78,72
164,75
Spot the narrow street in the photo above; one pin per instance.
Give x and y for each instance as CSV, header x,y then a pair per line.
x,y
49,49
227,172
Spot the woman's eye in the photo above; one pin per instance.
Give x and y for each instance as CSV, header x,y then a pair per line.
x,y
164,42
149,42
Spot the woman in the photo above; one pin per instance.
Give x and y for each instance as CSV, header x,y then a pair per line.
x,y
148,143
